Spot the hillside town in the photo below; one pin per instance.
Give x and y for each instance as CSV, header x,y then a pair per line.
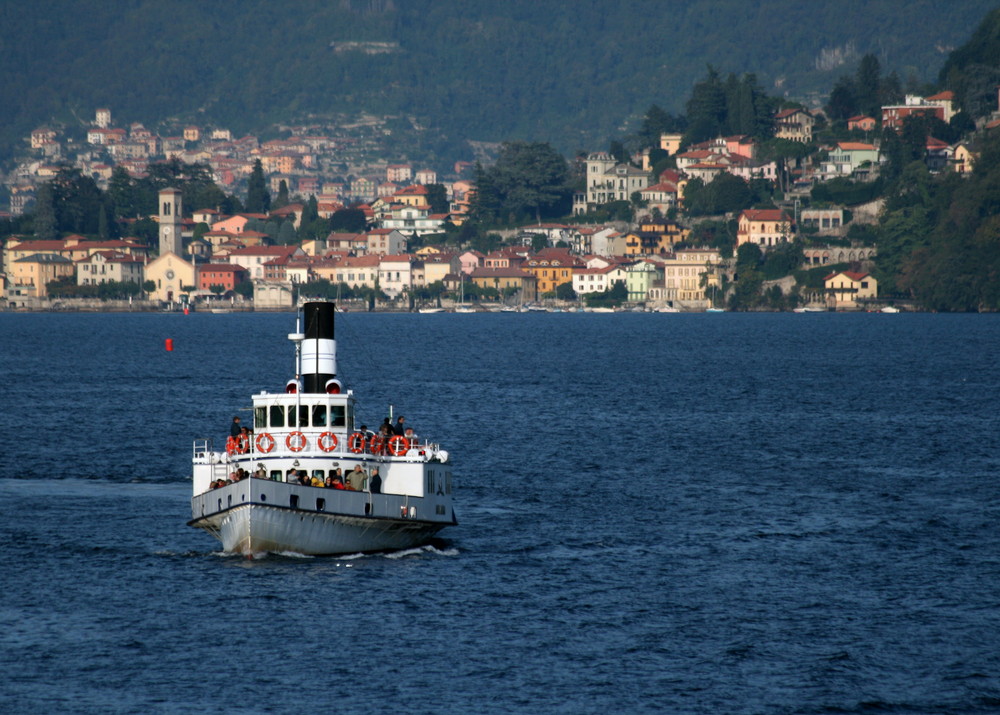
x,y
657,259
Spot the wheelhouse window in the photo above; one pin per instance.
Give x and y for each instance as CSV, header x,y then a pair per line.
x,y
277,416
298,417
337,416
319,416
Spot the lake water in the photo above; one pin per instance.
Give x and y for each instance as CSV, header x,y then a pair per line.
x,y
763,513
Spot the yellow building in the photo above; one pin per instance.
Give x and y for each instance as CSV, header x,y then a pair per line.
x,y
504,278
765,227
847,289
551,267
655,237
171,274
32,273
963,160
671,143
415,195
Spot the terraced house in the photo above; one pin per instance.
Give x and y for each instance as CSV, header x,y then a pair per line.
x,y
552,267
765,227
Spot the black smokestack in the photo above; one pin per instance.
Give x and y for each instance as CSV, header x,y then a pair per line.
x,y
319,349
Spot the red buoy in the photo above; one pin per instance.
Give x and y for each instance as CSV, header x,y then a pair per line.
x,y
169,344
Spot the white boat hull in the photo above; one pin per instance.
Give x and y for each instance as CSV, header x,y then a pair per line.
x,y
254,529
250,517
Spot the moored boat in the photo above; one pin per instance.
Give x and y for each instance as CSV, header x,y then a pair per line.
x,y
273,489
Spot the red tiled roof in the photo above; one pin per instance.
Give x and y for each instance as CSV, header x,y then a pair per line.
x,y
765,215
500,273
221,267
789,112
265,251
855,146
666,186
40,246
398,258
360,261
854,276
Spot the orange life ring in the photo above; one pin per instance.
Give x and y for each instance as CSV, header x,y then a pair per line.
x,y
399,445
265,442
376,443
242,444
230,444
327,441
300,440
356,443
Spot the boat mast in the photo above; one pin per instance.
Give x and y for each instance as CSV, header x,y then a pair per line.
x,y
297,337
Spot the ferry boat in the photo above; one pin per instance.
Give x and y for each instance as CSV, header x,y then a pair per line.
x,y
251,495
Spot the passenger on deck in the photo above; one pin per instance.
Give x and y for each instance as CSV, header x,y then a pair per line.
x,y
329,482
291,476
304,479
410,435
356,478
234,429
398,428
261,473
366,432
244,440
375,483
337,484
316,481
385,429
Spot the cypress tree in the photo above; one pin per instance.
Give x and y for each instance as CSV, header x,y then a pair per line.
x,y
258,198
45,213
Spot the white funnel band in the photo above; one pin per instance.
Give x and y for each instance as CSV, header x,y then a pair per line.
x,y
319,357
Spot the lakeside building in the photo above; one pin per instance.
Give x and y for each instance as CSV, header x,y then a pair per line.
x,y
848,289
172,276
507,281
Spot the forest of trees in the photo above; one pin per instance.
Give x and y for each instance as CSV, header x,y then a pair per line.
x,y
520,69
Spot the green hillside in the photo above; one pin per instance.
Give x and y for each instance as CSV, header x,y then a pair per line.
x,y
570,74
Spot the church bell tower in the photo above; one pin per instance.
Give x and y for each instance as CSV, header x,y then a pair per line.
x,y
170,223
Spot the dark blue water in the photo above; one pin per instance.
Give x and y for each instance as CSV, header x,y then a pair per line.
x,y
659,513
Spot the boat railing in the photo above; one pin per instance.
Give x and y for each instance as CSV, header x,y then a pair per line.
x,y
298,443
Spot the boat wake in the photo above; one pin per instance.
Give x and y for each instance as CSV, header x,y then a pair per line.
x,y
428,549
261,555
